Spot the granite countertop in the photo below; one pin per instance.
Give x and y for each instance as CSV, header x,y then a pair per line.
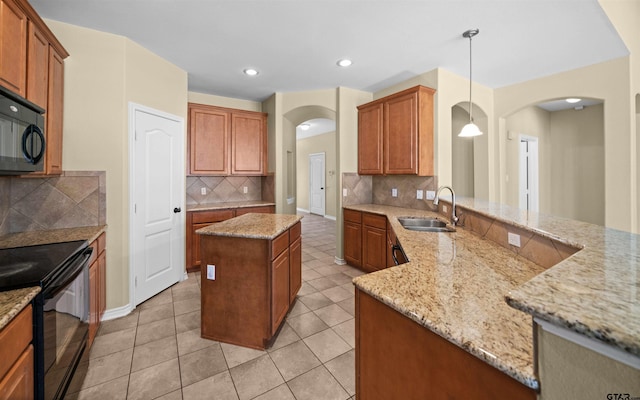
x,y
13,301
32,238
595,292
252,225
454,285
231,204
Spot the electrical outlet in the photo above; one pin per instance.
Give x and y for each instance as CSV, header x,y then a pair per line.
x,y
344,192
211,272
431,194
419,194
203,191
394,192
513,239
245,189
445,208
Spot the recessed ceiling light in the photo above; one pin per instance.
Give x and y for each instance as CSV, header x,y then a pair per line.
x,y
572,100
251,72
344,62
305,127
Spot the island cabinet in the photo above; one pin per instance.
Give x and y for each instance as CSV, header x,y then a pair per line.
x,y
16,362
365,240
200,219
97,284
408,361
395,134
32,66
224,141
250,277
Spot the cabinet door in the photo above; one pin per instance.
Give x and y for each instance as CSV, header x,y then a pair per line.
x,y
13,47
37,67
374,248
195,221
401,134
279,289
208,141
53,158
248,144
295,269
18,383
370,140
353,243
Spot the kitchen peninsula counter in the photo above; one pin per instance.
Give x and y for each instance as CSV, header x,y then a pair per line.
x,y
470,290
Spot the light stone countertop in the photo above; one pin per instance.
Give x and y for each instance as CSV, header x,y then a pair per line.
x,y
232,204
454,284
32,238
595,292
13,301
252,225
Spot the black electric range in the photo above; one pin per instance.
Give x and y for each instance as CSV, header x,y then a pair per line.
x,y
60,310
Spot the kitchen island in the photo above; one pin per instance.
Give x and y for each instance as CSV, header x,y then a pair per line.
x,y
251,273
456,285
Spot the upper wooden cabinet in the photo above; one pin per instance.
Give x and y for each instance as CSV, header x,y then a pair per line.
x,y
32,66
395,134
224,141
13,47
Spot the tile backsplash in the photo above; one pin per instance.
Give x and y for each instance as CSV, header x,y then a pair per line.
x,y
73,199
365,189
220,189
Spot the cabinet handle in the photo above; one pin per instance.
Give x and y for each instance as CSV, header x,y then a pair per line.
x,y
177,210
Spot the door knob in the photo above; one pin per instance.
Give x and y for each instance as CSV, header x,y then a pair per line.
x,y
321,188
177,210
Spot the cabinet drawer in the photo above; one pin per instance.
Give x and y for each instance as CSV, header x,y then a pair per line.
x,y
14,338
377,221
279,244
294,232
202,217
353,216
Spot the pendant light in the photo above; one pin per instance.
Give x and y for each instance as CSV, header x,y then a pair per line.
x,y
470,129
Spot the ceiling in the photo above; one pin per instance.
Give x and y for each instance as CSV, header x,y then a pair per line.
x,y
317,126
295,44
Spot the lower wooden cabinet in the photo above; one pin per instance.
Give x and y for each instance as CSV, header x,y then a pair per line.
x,y
256,282
365,240
201,219
97,285
396,358
16,362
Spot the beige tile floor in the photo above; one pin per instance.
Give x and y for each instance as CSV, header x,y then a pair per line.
x,y
156,352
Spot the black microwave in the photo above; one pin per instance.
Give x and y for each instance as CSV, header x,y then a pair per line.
x,y
22,140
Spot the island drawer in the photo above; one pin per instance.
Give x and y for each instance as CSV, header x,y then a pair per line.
x,y
279,244
294,232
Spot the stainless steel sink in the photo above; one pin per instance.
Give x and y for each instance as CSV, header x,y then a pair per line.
x,y
425,224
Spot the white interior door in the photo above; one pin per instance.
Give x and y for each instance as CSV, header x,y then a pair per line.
x,y
529,173
316,184
157,206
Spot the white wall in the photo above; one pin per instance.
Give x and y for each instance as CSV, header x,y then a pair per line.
x,y
102,74
324,143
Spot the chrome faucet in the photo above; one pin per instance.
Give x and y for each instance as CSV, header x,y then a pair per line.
x,y
454,218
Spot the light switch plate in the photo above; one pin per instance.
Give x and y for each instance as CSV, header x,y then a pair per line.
x,y
513,239
344,192
394,192
431,194
244,189
203,191
419,194
211,272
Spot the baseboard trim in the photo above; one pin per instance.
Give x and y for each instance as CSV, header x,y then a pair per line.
x,y
331,217
303,210
339,261
117,312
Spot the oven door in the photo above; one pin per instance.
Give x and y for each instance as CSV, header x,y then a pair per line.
x,y
62,336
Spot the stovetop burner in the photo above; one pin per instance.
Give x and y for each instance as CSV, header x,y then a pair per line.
x,y
34,265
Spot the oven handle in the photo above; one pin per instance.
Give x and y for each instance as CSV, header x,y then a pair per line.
x,y
70,272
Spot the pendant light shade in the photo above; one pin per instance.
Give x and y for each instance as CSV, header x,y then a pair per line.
x,y
470,129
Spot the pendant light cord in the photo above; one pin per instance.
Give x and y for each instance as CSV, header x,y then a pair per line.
x,y
470,80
